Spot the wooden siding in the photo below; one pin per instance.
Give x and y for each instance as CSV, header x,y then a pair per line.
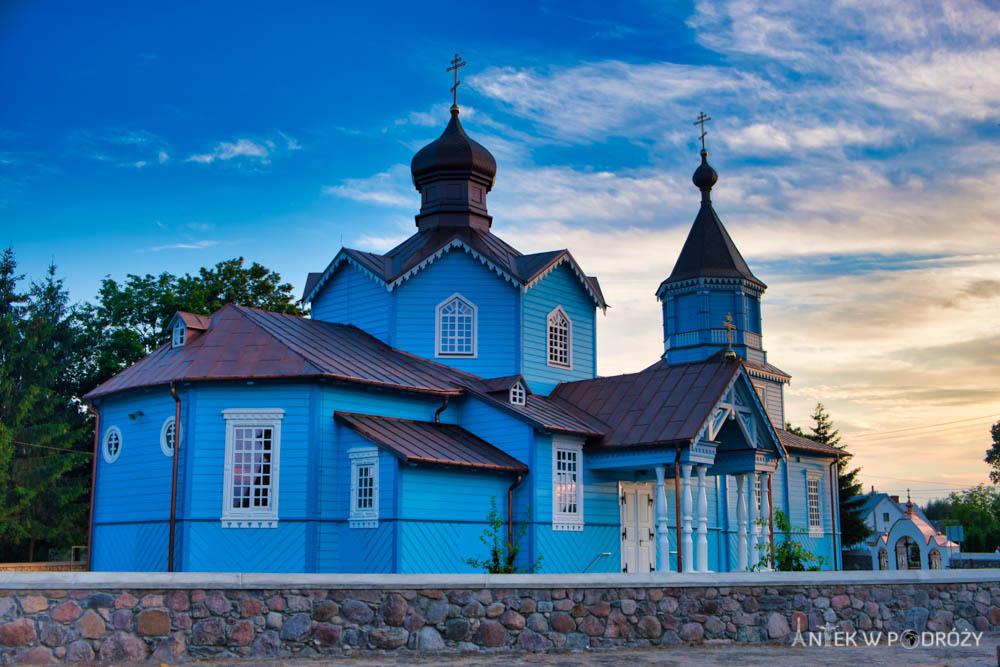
x,y
352,297
559,288
496,301
132,497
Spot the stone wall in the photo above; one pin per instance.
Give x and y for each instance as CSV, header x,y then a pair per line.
x,y
85,618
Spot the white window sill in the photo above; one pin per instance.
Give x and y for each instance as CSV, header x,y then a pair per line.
x,y
363,523
249,523
567,525
815,532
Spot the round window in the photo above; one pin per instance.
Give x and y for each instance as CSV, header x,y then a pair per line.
x,y
112,444
168,435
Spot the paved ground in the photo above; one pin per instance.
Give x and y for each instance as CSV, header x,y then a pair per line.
x,y
770,656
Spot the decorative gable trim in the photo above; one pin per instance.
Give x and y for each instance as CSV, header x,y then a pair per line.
x,y
732,406
566,258
341,258
454,243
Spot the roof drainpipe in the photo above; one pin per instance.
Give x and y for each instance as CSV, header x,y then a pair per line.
x,y
677,507
510,508
437,413
835,492
173,480
93,483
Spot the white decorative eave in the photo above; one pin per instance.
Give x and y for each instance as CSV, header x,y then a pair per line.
x,y
729,407
566,257
454,243
757,288
342,257
756,372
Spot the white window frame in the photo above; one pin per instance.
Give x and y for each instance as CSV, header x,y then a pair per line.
x,y
815,529
108,456
438,352
167,449
567,520
569,339
363,457
250,418
518,394
179,335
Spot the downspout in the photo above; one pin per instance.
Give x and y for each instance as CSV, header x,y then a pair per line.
x,y
835,492
93,483
437,413
677,507
173,480
510,508
770,519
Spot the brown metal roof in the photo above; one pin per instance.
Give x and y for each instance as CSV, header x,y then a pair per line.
x,y
542,412
246,343
491,385
798,443
766,369
428,442
427,243
662,404
191,320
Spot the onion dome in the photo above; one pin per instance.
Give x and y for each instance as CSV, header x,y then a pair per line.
x,y
704,176
453,152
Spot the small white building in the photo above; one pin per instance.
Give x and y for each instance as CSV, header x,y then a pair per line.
x,y
905,539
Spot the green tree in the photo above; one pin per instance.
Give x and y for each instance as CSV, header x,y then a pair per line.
x,y
993,454
130,318
853,528
938,509
977,510
44,434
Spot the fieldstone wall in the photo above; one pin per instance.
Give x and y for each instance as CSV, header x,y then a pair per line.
x,y
106,625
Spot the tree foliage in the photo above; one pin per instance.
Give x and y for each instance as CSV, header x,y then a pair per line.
x,y
789,554
977,510
993,454
44,432
130,318
503,553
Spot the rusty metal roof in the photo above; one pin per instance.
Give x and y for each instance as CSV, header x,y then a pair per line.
x,y
504,383
191,320
763,368
799,443
431,443
663,404
245,343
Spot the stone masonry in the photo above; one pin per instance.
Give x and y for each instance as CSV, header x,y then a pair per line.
x,y
106,625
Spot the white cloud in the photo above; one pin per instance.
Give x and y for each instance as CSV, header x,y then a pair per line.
x,y
226,150
183,245
387,188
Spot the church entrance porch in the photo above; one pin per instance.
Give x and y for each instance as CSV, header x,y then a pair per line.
x,y
638,532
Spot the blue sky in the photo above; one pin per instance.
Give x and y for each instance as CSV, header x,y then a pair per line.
x,y
856,146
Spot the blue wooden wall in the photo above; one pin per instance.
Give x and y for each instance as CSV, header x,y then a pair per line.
x,y
690,314
561,287
132,496
496,300
352,297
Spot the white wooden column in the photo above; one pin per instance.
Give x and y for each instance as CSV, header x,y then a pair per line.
x,y
687,544
754,529
741,523
702,559
765,512
662,532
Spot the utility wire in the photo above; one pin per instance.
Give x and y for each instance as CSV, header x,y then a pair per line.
x,y
955,429
918,428
56,449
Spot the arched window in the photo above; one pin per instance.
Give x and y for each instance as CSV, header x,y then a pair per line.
x,y
560,339
907,554
112,448
883,559
934,560
456,328
517,393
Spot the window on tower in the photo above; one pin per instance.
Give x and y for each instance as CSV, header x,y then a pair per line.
x,y
560,332
456,328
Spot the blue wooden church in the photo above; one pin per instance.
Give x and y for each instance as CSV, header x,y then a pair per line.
x,y
448,373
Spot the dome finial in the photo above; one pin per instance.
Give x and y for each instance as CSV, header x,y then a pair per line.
x,y
704,176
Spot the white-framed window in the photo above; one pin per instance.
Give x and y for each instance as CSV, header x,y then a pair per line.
x,y
518,395
756,489
812,501
559,339
885,517
364,487
112,446
168,435
456,328
179,335
567,484
253,449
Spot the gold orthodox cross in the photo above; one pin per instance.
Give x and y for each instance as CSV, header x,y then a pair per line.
x,y
455,64
730,328
702,119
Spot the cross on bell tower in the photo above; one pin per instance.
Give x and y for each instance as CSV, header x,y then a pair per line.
x,y
456,62
702,119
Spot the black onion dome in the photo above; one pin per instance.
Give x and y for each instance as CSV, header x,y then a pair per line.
x,y
704,176
453,151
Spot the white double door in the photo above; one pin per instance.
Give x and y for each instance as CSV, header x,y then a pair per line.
x,y
638,531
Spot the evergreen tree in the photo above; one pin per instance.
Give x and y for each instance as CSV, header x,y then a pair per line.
x,y
44,434
993,454
853,528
